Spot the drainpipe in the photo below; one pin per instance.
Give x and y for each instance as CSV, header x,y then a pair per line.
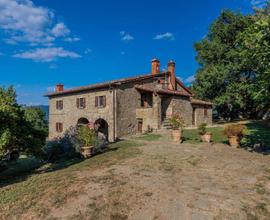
x,y
114,116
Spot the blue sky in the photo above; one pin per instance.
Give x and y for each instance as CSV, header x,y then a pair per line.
x,y
45,42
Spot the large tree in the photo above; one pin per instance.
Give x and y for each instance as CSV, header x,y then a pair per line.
x,y
234,64
24,129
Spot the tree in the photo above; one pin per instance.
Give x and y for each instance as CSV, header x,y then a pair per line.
x,y
232,74
23,129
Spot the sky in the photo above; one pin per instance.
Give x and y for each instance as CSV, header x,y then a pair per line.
x,y
76,43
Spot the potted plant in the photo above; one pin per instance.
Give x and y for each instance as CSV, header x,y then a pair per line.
x,y
234,134
177,127
86,137
205,136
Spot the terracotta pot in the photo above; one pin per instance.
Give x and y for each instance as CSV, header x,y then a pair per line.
x,y
233,141
206,137
176,135
86,151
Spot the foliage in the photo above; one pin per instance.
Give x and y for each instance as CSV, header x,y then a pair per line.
x,y
234,130
202,128
86,136
235,59
177,121
22,129
64,147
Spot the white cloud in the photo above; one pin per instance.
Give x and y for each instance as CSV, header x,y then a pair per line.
x,y
47,54
72,39
165,36
190,79
87,51
258,3
126,36
23,21
60,30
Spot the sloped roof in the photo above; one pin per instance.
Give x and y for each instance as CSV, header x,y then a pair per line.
x,y
112,83
162,91
200,102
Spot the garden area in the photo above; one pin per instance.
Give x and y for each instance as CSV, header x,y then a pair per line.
x,y
137,172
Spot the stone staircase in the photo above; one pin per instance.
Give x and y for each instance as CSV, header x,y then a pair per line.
x,y
166,124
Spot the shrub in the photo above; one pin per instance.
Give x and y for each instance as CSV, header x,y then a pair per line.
x,y
234,130
86,136
177,122
202,129
65,147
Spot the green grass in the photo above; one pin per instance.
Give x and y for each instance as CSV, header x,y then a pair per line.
x,y
148,137
51,185
192,135
257,132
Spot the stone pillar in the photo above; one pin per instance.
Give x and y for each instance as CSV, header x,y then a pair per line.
x,y
156,111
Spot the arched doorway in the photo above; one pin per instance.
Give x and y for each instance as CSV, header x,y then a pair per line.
x,y
82,122
102,127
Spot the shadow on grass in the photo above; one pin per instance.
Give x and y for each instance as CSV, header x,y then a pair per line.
x,y
28,166
22,169
257,138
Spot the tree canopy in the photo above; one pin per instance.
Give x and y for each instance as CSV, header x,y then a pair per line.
x,y
234,61
24,129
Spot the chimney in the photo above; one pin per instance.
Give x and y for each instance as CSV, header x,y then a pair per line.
x,y
59,88
171,78
155,66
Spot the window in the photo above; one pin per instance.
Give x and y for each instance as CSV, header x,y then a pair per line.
x,y
100,101
59,104
59,127
205,112
146,100
81,103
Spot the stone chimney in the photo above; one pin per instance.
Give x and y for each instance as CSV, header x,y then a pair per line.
x,y
59,88
171,78
155,66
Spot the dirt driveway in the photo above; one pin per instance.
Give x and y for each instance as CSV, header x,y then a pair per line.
x,y
175,181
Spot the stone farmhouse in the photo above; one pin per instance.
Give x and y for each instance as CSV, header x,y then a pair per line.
x,y
127,106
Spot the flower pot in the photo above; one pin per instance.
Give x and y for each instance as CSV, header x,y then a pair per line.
x,y
206,137
86,151
233,141
176,135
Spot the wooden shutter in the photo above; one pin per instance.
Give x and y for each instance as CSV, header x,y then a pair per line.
x,y
104,101
78,102
83,102
96,101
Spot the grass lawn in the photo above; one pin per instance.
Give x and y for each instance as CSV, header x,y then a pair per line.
x,y
19,193
192,135
257,132
148,137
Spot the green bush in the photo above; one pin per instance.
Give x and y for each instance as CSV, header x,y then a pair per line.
x,y
177,122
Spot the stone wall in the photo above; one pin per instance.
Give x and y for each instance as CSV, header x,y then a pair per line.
x,y
200,117
181,105
70,114
128,99
151,116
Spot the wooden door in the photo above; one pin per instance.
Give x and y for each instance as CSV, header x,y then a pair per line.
x,y
140,125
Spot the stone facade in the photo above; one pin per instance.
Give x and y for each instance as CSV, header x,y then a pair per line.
x,y
132,105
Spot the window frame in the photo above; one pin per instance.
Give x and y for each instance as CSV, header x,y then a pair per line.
x,y
59,127
59,105
81,103
100,101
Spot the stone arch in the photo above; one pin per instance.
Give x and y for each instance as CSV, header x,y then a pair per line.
x,y
102,126
82,121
